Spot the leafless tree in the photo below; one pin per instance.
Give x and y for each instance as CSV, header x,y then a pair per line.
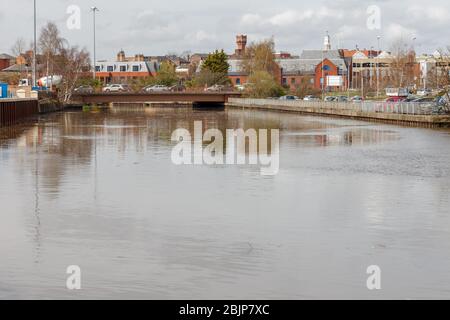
x,y
71,62
260,57
18,50
402,71
50,43
19,47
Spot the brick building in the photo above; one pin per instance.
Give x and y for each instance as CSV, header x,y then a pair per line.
x,y
6,61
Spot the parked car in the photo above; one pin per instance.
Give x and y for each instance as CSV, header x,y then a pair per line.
x,y
424,92
341,99
330,99
310,98
395,99
357,99
116,88
177,88
288,97
424,99
84,90
410,99
215,88
155,88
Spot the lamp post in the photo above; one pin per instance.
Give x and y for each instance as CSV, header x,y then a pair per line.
x,y
94,10
378,66
34,47
322,79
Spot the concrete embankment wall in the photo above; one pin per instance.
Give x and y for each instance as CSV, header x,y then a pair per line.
x,y
347,110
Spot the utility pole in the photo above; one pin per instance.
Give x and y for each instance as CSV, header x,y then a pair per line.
x,y
34,47
94,74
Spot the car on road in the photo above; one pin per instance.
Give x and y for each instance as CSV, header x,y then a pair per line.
x,y
288,97
310,98
215,88
177,88
156,88
113,88
84,90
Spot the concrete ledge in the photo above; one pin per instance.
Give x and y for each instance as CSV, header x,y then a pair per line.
x,y
425,120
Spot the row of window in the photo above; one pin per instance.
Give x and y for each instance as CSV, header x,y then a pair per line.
x,y
370,65
123,68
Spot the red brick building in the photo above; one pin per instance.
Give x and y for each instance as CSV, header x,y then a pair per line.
x,y
6,61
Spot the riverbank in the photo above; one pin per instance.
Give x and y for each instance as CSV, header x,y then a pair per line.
x,y
13,111
378,112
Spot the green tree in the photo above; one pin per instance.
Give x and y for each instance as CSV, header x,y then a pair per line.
x,y
263,85
214,70
166,75
216,62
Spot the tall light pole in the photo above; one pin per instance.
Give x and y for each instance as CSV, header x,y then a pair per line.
x,y
94,10
378,66
34,47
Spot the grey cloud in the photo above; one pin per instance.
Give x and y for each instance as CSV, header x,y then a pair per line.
x,y
204,25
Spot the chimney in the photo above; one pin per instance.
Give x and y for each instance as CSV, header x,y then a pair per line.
x,y
121,56
241,41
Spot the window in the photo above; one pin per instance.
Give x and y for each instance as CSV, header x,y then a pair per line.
x,y
238,81
284,81
326,67
110,68
135,68
123,68
97,68
293,81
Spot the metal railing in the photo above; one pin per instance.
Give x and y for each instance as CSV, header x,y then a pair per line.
x,y
409,108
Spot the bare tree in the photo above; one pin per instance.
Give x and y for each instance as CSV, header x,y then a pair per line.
x,y
260,57
19,47
50,43
70,63
402,69
18,50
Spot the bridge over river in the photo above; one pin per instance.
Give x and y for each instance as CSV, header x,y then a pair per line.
x,y
204,98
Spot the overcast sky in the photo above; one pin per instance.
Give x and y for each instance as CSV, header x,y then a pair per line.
x,y
160,27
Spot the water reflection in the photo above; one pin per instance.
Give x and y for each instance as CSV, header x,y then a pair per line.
x,y
99,190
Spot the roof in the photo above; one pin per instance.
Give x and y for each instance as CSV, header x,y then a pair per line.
x,y
297,66
314,57
5,56
21,68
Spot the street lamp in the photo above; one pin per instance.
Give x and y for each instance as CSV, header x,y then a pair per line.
x,y
378,66
34,47
94,10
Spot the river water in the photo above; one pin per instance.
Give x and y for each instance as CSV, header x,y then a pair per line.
x,y
99,191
